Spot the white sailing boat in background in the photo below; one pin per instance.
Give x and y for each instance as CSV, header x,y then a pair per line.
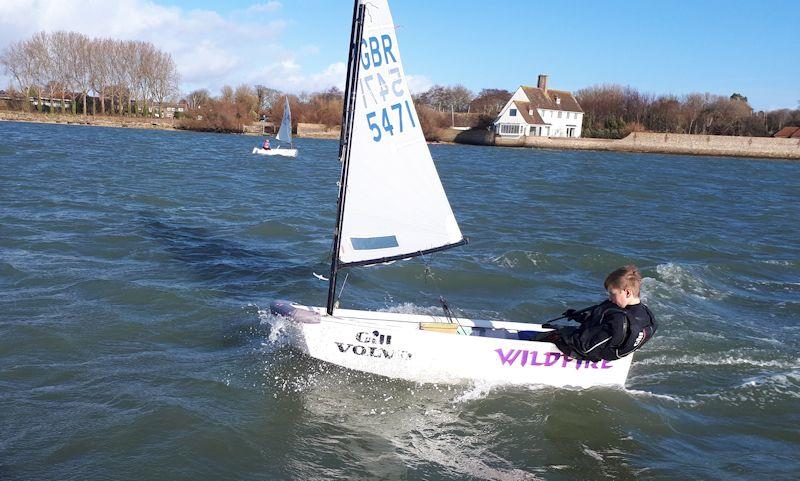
x,y
392,206
284,136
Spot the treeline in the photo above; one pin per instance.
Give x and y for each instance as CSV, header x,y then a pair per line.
x,y
614,111
235,108
132,77
114,76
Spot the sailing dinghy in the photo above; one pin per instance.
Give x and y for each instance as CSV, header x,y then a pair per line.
x,y
392,206
284,135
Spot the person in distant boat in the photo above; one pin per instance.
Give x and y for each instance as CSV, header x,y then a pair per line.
x,y
610,330
266,144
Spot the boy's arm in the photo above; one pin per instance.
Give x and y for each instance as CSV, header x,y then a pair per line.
x,y
583,315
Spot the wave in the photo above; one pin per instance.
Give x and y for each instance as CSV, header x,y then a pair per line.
x,y
665,397
274,228
715,360
688,281
763,389
521,259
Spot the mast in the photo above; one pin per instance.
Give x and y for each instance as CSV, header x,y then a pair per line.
x,y
344,141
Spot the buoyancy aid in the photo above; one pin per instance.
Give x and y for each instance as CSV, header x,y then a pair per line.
x,y
609,332
639,328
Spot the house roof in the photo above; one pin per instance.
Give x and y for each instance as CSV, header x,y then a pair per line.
x,y
546,99
789,133
525,108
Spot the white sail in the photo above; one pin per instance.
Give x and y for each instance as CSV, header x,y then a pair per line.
x,y
395,205
285,132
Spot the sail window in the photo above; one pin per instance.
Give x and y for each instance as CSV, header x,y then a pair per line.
x,y
370,243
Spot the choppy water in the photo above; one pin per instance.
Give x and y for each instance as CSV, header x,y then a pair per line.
x,y
136,267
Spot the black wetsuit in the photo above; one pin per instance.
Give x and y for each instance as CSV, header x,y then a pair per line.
x,y
607,332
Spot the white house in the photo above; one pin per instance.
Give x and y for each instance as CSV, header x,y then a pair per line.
x,y
540,112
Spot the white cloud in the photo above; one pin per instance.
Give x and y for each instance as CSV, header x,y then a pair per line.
x,y
210,49
418,83
265,7
287,75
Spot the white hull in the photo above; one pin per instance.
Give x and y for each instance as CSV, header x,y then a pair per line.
x,y
282,152
393,345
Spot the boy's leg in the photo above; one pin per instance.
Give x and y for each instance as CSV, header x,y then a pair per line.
x,y
550,336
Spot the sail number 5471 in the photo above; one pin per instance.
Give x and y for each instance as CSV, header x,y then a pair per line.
x,y
389,120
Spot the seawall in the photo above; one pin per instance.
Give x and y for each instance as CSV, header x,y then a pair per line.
x,y
687,144
100,120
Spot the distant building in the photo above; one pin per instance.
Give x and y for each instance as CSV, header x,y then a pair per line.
x,y
788,133
169,110
540,112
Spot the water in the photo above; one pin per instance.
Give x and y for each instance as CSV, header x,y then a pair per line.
x,y
136,268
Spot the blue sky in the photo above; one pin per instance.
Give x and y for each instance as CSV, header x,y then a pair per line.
x,y
657,47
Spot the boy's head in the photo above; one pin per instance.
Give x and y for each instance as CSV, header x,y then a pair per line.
x,y
623,285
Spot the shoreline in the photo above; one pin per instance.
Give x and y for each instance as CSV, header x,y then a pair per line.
x,y
637,142
130,123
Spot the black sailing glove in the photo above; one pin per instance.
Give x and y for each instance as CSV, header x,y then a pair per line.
x,y
569,314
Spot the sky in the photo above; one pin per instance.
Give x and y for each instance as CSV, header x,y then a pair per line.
x,y
655,46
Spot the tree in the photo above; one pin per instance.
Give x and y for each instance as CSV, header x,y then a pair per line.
x,y
246,100
490,101
266,97
165,81
226,94
198,98
19,65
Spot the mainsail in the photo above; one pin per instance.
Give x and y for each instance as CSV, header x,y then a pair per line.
x,y
393,203
285,132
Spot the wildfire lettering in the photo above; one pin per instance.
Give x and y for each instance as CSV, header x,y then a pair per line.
x,y
510,357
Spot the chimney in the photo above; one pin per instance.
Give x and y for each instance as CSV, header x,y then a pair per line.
x,y
542,83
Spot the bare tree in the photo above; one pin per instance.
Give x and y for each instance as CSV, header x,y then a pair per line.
x,y
20,66
165,81
490,101
226,94
100,70
198,99
245,97
267,97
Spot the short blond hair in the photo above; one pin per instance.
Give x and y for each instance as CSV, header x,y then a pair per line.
x,y
626,277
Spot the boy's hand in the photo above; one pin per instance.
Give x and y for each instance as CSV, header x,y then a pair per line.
x,y
569,313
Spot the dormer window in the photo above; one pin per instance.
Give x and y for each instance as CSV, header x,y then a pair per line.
x,y
512,112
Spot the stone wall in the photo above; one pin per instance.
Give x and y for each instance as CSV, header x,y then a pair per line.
x,y
720,145
712,145
317,130
99,120
472,137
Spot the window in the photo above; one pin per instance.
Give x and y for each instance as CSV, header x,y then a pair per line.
x,y
510,129
512,112
570,131
559,114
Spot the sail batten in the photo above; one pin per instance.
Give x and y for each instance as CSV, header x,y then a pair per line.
x,y
396,206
